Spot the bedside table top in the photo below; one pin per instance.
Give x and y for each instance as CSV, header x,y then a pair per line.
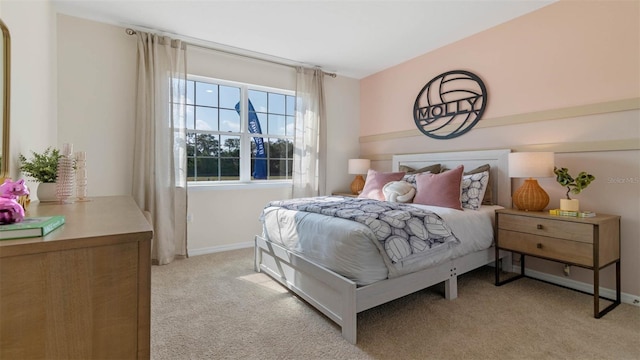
x,y
348,194
545,215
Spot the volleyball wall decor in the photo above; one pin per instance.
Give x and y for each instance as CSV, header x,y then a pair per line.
x,y
450,104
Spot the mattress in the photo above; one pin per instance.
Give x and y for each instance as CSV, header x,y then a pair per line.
x,y
350,248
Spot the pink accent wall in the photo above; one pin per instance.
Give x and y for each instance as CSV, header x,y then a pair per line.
x,y
566,54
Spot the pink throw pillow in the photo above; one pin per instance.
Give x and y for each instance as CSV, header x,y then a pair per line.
x,y
375,181
440,189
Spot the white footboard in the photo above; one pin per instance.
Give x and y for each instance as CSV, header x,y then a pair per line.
x,y
339,298
327,291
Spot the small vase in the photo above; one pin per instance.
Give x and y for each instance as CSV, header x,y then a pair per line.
x,y
81,175
65,175
46,192
569,204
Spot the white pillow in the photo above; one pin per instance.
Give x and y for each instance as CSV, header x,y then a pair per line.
x,y
473,189
398,191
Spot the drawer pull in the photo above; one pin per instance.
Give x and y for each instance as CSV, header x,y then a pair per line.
x,y
539,226
539,246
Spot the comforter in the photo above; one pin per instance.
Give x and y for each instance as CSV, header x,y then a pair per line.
x,y
353,249
404,232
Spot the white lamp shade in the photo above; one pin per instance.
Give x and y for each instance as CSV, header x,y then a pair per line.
x,y
531,164
359,166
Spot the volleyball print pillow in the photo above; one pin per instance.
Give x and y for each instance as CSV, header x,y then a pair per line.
x,y
473,189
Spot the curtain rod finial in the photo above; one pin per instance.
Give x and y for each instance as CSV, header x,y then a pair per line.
x,y
130,31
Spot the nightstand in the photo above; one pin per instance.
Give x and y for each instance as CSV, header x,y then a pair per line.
x,y
347,194
591,243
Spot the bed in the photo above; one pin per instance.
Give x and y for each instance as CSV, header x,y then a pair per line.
x,y
339,294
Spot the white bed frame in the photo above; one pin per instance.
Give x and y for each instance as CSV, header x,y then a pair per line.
x,y
340,299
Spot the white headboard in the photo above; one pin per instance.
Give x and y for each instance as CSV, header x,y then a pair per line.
x,y
497,159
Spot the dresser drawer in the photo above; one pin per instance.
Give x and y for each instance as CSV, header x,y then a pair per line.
x,y
569,251
547,227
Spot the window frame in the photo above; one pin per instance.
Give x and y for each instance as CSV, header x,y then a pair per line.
x,y
245,180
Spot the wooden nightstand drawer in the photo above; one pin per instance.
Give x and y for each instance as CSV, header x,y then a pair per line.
x,y
547,227
573,252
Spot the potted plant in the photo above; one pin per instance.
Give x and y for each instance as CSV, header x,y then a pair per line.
x,y
43,168
574,185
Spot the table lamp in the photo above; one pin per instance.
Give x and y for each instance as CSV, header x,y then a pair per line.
x,y
530,196
358,167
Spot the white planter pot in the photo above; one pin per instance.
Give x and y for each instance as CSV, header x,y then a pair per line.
x,y
46,192
569,204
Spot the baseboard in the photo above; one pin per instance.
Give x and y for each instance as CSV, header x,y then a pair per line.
x,y
578,285
221,248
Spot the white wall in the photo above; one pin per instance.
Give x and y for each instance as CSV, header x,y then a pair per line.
x,y
96,100
343,99
228,218
33,77
96,108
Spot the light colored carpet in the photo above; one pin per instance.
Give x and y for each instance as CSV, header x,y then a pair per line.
x,y
216,307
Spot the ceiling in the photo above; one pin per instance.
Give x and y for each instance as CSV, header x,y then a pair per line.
x,y
353,38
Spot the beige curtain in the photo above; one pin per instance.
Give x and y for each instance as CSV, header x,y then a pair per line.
x,y
309,156
159,165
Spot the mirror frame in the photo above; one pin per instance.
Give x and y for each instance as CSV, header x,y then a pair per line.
x,y
6,95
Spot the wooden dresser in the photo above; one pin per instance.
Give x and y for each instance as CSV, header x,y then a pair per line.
x,y
82,291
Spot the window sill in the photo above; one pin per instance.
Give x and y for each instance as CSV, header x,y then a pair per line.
x,y
215,186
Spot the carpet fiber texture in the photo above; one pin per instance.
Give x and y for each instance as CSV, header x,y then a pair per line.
x,y
216,307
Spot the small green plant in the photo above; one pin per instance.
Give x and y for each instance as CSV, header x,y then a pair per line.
x,y
42,167
573,185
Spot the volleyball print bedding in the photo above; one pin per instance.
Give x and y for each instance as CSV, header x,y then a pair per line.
x,y
405,232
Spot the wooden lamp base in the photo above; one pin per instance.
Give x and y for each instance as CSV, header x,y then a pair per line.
x,y
357,185
530,196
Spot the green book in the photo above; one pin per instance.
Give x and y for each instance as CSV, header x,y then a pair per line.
x,y
31,227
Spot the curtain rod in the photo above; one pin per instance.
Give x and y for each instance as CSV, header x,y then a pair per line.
x,y
130,31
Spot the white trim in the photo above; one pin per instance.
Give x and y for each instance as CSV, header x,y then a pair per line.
x,y
249,86
244,132
578,285
220,248
545,115
566,147
197,186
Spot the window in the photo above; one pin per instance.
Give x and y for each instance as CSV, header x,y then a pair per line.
x,y
223,119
